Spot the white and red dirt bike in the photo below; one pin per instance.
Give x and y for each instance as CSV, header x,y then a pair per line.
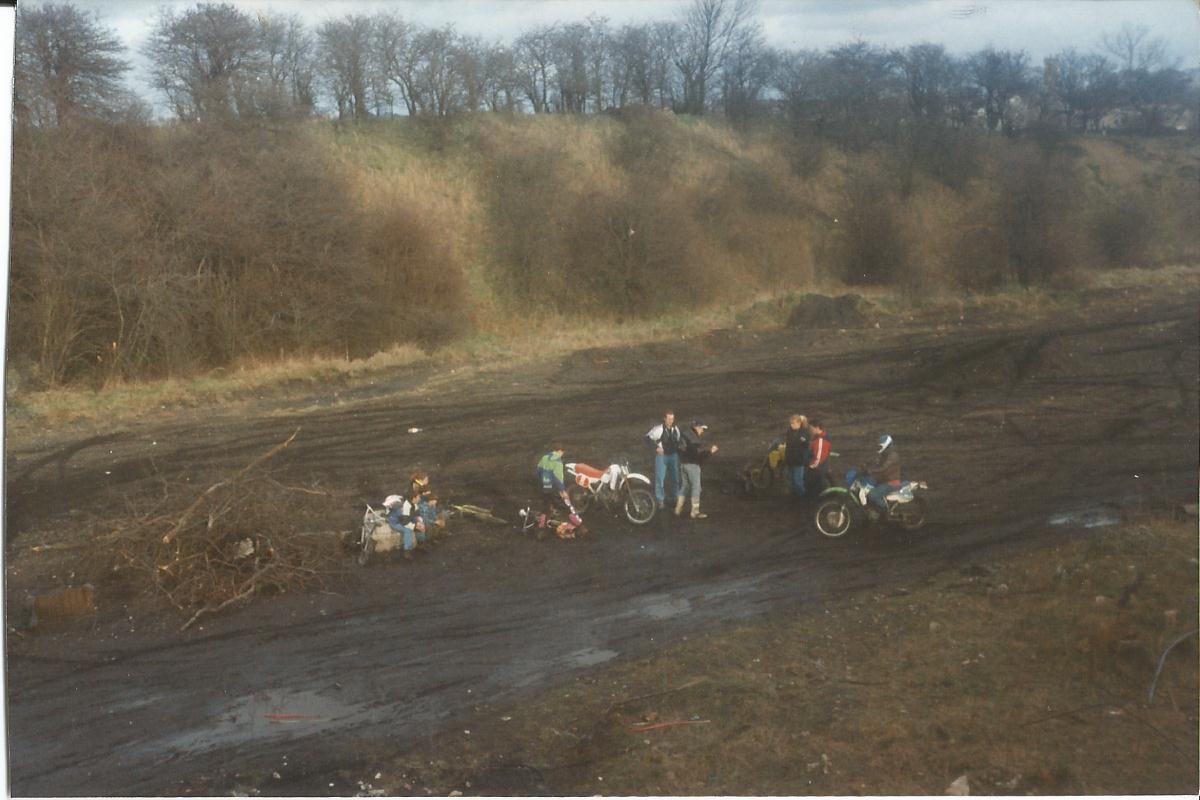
x,y
615,488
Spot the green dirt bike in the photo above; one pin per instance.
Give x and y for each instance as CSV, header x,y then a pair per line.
x,y
842,507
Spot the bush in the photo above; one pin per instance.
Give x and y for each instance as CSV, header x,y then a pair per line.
x,y
142,252
1123,229
869,240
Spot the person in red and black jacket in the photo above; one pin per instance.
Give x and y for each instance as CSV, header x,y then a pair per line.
x,y
818,458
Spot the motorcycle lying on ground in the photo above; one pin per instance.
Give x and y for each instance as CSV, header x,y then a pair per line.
x,y
569,528
616,489
842,507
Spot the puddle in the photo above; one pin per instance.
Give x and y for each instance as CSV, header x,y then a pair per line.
x,y
589,657
1094,518
267,715
666,607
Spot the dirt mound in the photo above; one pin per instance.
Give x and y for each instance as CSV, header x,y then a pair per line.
x,y
819,311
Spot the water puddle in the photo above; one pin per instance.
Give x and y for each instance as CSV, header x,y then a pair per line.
x,y
1092,518
589,657
666,607
267,715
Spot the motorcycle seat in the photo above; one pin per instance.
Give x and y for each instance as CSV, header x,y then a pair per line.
x,y
589,472
903,493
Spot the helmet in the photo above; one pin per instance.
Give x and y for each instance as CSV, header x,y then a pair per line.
x,y
885,442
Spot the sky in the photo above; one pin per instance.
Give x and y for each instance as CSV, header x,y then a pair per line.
x,y
1041,27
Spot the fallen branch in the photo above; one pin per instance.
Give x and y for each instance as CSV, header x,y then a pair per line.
x,y
41,548
672,724
251,586
1163,660
305,490
191,510
479,513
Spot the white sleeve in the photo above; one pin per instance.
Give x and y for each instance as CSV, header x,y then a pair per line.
x,y
655,434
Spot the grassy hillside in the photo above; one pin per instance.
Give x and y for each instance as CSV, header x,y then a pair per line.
x,y
170,252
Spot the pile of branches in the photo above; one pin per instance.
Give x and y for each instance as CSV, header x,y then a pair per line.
x,y
243,536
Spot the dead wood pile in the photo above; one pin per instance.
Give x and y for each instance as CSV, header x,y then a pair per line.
x,y
243,536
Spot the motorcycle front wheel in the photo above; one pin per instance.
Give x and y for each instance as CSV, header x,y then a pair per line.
x,y
912,514
639,505
833,518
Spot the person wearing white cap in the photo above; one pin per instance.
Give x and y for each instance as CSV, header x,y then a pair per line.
x,y
885,473
693,452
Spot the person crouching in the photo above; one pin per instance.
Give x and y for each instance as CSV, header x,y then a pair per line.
x,y
404,518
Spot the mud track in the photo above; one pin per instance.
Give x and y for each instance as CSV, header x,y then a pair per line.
x,y
1012,425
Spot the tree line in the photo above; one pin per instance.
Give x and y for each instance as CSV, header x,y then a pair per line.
x,y
213,61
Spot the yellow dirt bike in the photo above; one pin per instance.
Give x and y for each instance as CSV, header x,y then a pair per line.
x,y
759,476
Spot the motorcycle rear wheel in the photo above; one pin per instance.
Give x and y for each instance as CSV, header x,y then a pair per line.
x,y
833,518
762,477
912,514
581,498
639,505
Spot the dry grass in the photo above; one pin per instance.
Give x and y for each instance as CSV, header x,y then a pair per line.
x,y
1028,676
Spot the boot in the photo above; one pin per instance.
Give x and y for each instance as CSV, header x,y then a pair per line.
x,y
678,506
696,512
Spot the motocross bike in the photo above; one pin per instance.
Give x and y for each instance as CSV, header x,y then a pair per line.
x,y
841,507
569,528
759,476
615,488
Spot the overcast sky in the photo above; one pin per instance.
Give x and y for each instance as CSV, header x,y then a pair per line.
x,y
1041,27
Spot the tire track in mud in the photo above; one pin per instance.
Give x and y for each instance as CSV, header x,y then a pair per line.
x,y
394,660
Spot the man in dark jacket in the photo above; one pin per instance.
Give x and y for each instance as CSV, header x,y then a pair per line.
x,y
693,452
885,473
664,438
795,454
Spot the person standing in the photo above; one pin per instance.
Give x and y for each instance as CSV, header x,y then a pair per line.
x,y
665,438
818,458
694,452
795,454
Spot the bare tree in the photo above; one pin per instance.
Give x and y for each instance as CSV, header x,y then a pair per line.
x,y
436,78
1088,87
67,63
469,60
535,65
346,54
204,59
394,50
1133,49
1001,76
502,83
930,75
749,67
287,53
708,30
598,47
570,66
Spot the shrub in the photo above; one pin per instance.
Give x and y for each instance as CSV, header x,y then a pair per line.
x,y
869,242
142,252
1123,229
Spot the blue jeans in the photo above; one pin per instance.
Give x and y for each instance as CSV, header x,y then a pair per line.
x,y
796,477
664,464
878,493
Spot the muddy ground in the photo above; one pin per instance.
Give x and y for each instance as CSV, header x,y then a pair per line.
x,y
1017,425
